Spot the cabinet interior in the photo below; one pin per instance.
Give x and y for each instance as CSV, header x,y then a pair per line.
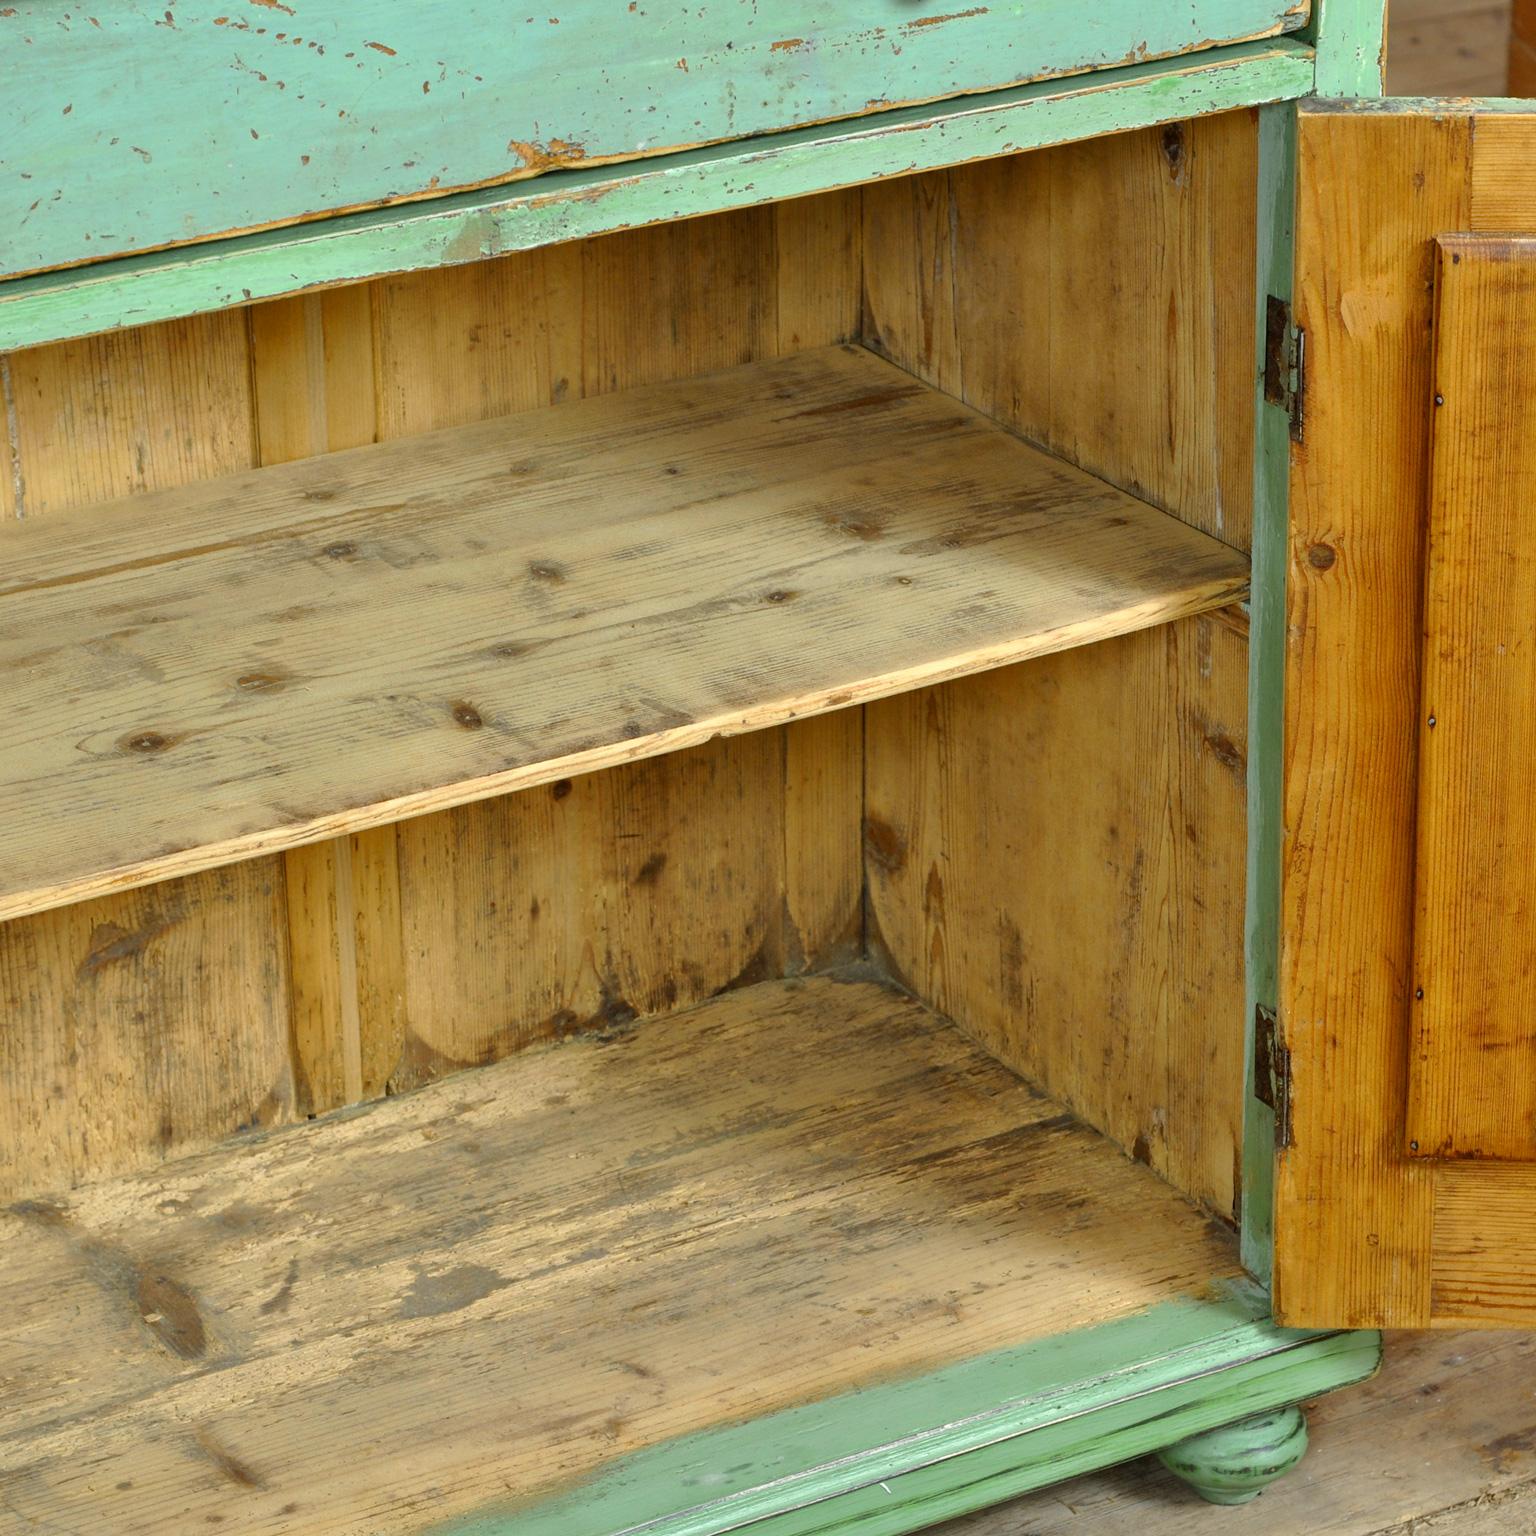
x,y
875,726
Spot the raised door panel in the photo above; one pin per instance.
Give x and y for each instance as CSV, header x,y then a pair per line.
x,y
1402,838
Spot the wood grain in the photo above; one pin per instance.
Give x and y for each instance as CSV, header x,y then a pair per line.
x,y
239,1336
1472,1080
1085,253
1522,50
312,384
831,497
1503,175
108,1057
1366,1233
1352,1219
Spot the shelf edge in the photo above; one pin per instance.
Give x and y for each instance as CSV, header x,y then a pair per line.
x,y
570,205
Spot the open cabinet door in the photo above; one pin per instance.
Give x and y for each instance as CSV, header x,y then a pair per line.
x,y
1406,1181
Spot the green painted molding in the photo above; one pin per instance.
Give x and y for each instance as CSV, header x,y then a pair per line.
x,y
900,1455
1351,46
1276,225
573,204
151,123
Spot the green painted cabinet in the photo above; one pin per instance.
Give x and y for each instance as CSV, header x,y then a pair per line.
x,y
709,791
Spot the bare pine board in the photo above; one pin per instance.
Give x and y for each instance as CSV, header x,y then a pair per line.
x,y
797,1188
285,655
1472,1073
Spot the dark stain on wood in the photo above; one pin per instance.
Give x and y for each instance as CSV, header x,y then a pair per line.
x,y
1173,150
282,1298
261,682
859,402
650,872
239,1472
559,789
170,1312
343,549
1321,557
548,571
452,1291
466,716
1226,752
147,742
110,943
884,846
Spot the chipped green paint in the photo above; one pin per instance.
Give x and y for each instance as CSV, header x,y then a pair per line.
x,y
1276,229
148,123
1351,46
568,205
901,1455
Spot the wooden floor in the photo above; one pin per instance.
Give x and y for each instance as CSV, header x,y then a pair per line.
x,y
1443,1442
246,1338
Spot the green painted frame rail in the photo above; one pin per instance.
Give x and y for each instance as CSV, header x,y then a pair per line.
x,y
905,1454
574,204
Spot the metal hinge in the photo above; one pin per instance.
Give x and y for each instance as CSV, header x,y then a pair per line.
x,y
1272,1071
1285,363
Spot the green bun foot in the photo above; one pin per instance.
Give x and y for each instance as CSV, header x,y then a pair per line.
x,y
1237,1462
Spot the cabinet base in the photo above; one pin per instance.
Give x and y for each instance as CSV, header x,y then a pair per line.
x,y
1212,1378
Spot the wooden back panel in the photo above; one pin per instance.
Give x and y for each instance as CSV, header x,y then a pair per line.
x,y
140,1025
1055,852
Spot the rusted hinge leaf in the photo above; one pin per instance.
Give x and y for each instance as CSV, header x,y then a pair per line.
x,y
1272,1071
1285,363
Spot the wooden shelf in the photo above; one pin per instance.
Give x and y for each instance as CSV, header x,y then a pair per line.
x,y
497,1287
198,676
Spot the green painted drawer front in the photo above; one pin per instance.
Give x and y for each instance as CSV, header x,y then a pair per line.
x,y
131,126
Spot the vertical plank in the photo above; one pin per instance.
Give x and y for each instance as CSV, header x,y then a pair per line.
x,y
1352,1218
312,376
155,1021
819,245
1099,299
1472,1076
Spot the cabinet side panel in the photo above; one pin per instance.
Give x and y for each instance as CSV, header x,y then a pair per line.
x,y
140,1025
1352,1217
1024,826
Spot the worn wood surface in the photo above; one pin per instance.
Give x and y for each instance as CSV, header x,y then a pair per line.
x,y
136,1026
319,109
1360,1223
240,1335
569,205
508,619
178,403
1472,1082
1108,961
1441,1443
